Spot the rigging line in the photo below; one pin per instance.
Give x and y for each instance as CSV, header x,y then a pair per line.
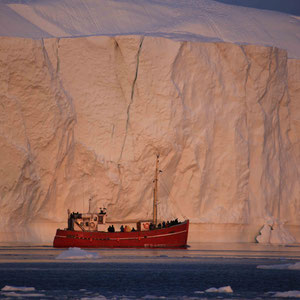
x,y
173,200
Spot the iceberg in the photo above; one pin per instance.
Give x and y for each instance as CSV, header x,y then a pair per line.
x,y
88,98
288,294
224,289
18,288
274,232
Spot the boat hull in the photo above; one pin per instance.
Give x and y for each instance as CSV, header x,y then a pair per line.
x,y
170,237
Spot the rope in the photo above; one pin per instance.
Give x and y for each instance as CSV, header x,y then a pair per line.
x,y
167,190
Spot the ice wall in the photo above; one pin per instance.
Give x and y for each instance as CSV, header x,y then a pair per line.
x,y
84,118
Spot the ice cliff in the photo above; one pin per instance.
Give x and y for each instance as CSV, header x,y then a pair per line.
x,y
84,118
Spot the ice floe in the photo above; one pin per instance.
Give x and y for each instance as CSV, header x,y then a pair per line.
x,y
223,289
22,295
18,288
100,297
19,292
289,294
149,297
77,253
295,266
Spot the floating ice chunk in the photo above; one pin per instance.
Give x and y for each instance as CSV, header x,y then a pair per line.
x,y
100,297
280,235
289,294
274,232
264,234
198,292
153,297
22,295
18,288
295,266
77,253
224,289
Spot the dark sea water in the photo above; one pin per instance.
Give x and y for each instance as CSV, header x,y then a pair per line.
x,y
147,274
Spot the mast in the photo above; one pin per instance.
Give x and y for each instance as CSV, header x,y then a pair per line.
x,y
155,192
90,205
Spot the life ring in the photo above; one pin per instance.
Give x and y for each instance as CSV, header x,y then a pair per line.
x,y
146,225
92,225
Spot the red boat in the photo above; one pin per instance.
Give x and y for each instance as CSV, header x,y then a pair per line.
x,y
90,230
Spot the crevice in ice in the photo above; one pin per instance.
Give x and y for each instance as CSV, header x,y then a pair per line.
x,y
131,96
245,175
268,177
64,132
57,57
267,87
175,62
28,180
118,51
248,68
205,202
71,118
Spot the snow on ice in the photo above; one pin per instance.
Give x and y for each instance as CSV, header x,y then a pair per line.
x,y
201,20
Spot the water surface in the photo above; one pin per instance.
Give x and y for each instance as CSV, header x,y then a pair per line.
x,y
150,274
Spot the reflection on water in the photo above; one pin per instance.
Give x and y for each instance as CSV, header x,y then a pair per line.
x,y
201,271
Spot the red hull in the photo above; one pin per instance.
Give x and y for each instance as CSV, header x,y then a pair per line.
x,y
171,237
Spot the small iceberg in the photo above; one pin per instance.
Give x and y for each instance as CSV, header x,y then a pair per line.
x,y
224,289
289,294
22,295
295,266
77,253
20,292
17,288
274,232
